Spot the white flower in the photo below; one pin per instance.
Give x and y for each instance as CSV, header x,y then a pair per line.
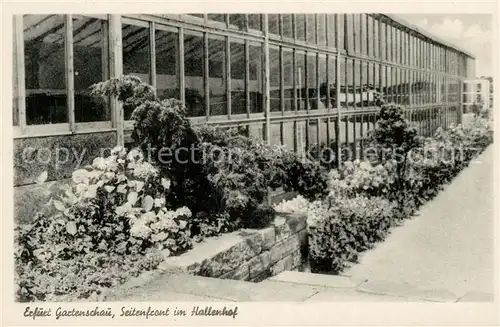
x,y
110,163
140,230
80,176
145,170
99,163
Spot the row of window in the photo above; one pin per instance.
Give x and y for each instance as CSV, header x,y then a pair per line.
x,y
222,75
365,34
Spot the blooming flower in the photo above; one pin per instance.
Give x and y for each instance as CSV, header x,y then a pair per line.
x,y
140,230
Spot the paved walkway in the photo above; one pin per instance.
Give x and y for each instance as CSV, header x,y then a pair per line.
x,y
450,245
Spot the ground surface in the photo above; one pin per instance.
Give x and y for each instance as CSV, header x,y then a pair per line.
x,y
450,245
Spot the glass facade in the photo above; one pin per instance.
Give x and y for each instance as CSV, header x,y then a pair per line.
x,y
217,65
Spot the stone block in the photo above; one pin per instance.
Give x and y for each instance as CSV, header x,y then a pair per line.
x,y
259,264
268,238
284,264
285,247
240,273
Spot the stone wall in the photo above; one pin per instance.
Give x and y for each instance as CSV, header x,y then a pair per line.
x,y
250,255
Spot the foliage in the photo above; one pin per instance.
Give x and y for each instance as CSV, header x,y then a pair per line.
x,y
222,194
360,177
116,207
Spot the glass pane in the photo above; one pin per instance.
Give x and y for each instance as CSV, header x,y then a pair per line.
x,y
365,83
193,71
357,32
323,83
197,15
238,94
332,69
288,25
274,24
255,74
237,21
300,22
369,35
312,83
376,38
167,64
357,83
311,29
91,65
254,22
349,97
343,83
275,76
288,80
383,85
301,80
46,97
322,29
341,18
217,76
364,38
15,99
135,56
331,29
217,17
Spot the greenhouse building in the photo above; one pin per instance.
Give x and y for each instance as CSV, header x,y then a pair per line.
x,y
290,79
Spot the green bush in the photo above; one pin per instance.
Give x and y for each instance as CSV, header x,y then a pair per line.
x,y
348,227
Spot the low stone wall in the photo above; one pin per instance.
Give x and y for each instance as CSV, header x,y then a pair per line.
x,y
250,255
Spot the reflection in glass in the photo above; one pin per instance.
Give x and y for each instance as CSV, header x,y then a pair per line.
x,y
167,64
237,21
331,89
288,80
238,96
311,28
217,17
300,23
274,24
136,59
287,25
217,76
255,22
275,76
194,72
312,82
46,97
301,80
90,64
322,29
255,87
323,82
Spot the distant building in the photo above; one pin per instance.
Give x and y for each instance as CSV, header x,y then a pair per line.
x,y
477,92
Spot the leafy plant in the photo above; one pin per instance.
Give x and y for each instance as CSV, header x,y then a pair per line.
x,y
116,207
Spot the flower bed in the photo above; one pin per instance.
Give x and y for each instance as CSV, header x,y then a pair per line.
x,y
366,199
